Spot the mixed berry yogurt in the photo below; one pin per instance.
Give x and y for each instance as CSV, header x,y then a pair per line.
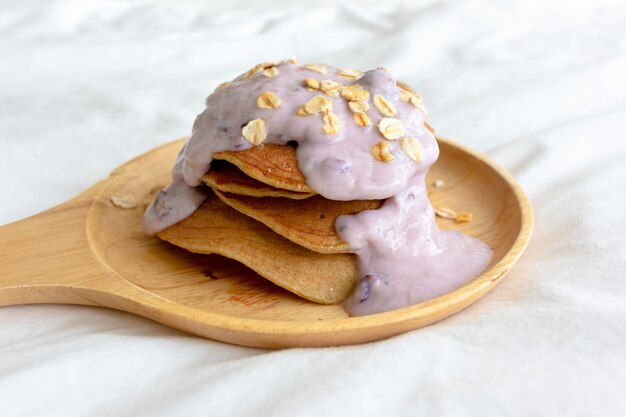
x,y
361,136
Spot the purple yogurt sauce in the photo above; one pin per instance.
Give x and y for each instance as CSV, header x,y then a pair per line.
x,y
403,257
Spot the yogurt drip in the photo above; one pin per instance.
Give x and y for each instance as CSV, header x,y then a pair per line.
x,y
403,257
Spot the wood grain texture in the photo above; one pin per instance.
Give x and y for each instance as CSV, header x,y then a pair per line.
x,y
88,251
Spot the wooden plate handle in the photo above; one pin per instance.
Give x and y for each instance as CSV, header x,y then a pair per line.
x,y
47,258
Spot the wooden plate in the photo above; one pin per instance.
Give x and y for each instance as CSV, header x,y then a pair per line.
x,y
88,251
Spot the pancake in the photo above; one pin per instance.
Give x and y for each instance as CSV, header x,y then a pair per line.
x,y
309,223
217,228
274,165
228,178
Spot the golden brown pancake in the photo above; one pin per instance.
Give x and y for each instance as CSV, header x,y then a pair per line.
x,y
309,223
274,165
263,214
228,178
217,228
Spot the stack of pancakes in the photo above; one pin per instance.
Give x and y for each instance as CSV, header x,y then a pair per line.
x,y
261,212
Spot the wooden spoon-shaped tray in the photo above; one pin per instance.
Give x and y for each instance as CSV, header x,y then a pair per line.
x,y
89,251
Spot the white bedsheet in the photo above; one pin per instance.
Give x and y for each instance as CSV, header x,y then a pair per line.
x,y
540,86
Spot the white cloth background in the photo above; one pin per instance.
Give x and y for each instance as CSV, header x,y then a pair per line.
x,y
539,86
